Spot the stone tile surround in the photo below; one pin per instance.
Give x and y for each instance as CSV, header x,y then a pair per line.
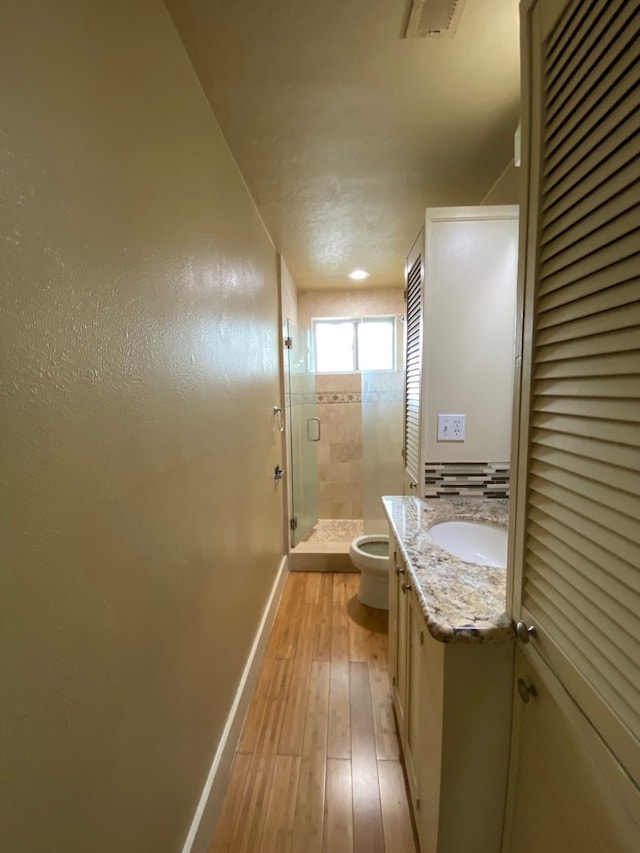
x,y
339,407
326,548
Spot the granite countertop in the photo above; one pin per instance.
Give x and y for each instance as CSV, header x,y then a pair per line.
x,y
461,601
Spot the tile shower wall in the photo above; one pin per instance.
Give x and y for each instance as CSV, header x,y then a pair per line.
x,y
339,407
480,479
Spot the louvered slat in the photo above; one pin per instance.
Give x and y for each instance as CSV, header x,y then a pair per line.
x,y
622,432
564,195
622,339
589,306
618,273
615,24
581,576
563,44
578,596
610,585
413,368
595,452
588,498
574,205
572,233
612,543
589,106
613,133
606,387
557,274
624,317
597,365
563,253
588,654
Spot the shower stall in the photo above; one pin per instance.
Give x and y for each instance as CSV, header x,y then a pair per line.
x,y
368,411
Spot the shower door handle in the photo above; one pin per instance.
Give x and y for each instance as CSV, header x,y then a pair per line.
x,y
317,423
277,411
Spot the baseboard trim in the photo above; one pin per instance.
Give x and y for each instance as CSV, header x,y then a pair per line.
x,y
211,798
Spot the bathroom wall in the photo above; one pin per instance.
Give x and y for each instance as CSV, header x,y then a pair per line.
x,y
141,526
288,293
339,400
506,189
351,302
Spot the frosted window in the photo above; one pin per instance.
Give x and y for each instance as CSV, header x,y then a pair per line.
x,y
375,345
335,347
347,346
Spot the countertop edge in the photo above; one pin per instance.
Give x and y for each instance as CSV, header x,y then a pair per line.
x,y
496,629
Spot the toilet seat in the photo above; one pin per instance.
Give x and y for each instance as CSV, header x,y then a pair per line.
x,y
371,557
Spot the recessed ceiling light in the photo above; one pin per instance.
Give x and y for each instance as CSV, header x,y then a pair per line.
x,y
358,275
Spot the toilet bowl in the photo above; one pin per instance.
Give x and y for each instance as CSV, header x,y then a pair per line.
x,y
370,554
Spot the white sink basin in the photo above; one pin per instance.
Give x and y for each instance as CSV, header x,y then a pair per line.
x,y
472,541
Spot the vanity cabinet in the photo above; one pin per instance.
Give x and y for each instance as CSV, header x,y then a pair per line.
x,y
452,703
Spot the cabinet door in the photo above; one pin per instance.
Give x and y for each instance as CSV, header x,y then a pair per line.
x,y
400,691
428,753
569,793
415,640
576,537
394,588
398,638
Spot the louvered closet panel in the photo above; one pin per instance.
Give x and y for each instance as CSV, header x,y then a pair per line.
x,y
581,582
413,368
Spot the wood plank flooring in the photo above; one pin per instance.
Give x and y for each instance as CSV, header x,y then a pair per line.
x,y
317,768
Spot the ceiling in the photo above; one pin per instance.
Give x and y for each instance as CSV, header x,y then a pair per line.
x,y
345,131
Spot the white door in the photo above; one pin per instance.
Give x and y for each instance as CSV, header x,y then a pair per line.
x,y
575,769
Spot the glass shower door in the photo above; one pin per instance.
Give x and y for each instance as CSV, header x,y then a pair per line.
x,y
382,423
304,432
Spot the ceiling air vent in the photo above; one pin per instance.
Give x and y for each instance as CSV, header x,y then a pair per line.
x,y
433,18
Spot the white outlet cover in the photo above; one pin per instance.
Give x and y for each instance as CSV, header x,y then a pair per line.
x,y
451,427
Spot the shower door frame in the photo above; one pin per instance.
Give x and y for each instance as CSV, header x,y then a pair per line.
x,y
301,412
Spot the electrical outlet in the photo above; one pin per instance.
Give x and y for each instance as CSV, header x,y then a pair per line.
x,y
451,427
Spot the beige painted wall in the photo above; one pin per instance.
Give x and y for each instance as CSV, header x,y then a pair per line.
x,y
141,529
469,330
288,293
506,189
353,302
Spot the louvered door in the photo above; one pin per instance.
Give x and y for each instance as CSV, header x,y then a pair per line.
x,y
577,526
414,281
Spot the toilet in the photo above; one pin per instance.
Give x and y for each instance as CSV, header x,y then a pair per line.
x,y
370,554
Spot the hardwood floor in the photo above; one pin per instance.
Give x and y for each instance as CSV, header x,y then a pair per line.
x,y
317,768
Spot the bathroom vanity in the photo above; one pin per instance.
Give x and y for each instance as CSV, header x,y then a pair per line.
x,y
450,660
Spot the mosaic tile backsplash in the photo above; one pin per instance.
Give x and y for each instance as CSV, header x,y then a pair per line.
x,y
480,479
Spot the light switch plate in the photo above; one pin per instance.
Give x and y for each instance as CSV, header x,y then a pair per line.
x,y
451,427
